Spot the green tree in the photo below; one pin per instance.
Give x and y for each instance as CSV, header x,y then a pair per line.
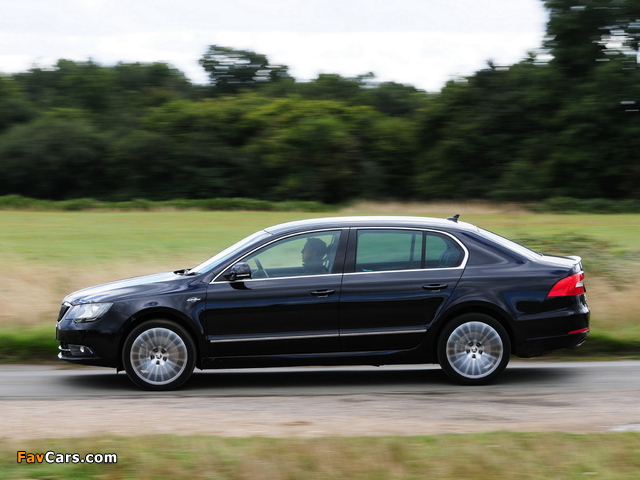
x,y
58,156
14,106
231,70
581,33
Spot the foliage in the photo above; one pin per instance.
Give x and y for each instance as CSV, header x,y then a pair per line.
x,y
56,156
18,202
482,456
560,123
586,205
231,70
20,345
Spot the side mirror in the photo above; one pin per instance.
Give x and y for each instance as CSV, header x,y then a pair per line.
x,y
239,271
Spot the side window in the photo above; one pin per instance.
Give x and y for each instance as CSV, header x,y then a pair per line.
x,y
307,254
442,252
384,250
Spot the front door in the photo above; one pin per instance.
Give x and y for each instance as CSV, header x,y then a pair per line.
x,y
288,306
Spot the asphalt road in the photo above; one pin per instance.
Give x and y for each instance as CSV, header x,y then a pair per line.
x,y
29,382
37,401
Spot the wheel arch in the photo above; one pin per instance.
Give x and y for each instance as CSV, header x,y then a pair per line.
x,y
483,308
162,314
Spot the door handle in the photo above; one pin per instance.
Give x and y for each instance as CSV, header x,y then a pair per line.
x,y
322,293
435,287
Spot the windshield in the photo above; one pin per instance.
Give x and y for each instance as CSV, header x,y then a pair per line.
x,y
229,252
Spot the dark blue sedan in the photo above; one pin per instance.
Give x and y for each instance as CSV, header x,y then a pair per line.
x,y
336,291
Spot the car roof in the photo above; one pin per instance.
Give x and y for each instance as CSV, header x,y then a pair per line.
x,y
370,221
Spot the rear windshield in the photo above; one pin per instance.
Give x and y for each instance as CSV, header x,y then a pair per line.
x,y
509,244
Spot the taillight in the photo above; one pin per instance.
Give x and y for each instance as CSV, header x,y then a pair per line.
x,y
573,285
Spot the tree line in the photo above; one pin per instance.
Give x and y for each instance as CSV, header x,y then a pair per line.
x,y
563,122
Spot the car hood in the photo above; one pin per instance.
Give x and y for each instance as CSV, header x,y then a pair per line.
x,y
124,289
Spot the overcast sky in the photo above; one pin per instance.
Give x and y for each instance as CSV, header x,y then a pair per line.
x,y
418,42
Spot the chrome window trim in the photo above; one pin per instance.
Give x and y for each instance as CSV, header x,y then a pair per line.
x,y
462,265
406,271
323,275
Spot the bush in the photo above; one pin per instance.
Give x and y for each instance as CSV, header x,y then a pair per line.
x,y
586,205
17,202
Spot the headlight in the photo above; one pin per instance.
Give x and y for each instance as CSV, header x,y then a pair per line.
x,y
89,312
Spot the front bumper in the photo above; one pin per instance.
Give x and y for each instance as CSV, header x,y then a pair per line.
x,y
92,343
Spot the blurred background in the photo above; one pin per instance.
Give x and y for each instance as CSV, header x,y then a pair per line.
x,y
561,122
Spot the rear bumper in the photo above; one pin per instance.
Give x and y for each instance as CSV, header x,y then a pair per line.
x,y
539,346
562,323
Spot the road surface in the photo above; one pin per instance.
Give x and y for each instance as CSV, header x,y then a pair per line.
x,y
51,401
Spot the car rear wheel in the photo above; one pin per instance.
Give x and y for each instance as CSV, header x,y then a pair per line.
x,y
159,355
474,349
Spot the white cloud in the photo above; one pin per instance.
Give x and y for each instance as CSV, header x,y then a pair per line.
x,y
418,42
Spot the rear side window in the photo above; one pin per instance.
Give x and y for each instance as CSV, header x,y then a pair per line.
x,y
387,250
442,252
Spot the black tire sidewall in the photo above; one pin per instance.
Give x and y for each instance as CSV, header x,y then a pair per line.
x,y
177,329
448,330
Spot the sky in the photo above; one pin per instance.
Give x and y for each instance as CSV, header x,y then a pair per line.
x,y
423,43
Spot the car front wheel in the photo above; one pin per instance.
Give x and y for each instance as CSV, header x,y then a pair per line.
x,y
159,355
474,349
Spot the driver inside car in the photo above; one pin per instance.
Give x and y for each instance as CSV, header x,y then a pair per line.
x,y
313,254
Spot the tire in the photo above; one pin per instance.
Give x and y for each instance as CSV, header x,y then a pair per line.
x,y
159,355
474,349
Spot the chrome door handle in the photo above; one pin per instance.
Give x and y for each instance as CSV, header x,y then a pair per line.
x,y
322,293
435,287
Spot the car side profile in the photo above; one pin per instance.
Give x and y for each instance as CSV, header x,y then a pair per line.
x,y
335,291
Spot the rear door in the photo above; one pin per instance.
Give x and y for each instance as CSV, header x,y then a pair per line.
x,y
395,281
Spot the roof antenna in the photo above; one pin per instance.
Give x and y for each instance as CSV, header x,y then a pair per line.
x,y
454,218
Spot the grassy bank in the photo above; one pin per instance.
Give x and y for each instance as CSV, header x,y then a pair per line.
x,y
48,254
492,456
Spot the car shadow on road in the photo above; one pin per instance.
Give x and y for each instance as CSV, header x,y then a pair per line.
x,y
305,380
311,378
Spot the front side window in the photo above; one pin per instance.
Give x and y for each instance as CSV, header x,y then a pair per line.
x,y
387,250
306,254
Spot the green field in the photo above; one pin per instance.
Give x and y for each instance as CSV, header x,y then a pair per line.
x,y
487,456
46,255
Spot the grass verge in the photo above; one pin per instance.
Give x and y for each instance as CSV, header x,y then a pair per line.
x,y
492,456
32,345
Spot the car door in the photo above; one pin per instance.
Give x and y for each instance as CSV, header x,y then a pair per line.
x,y
395,281
288,306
